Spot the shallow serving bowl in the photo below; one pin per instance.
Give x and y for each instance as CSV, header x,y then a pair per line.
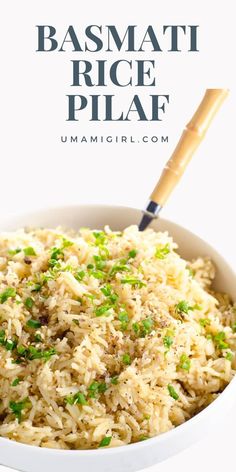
x,y
146,453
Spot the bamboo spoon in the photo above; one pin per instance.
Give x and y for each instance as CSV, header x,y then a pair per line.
x,y
191,138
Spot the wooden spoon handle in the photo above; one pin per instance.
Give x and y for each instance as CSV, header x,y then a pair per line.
x,y
188,143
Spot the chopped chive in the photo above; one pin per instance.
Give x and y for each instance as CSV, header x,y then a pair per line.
x,y
36,288
185,362
56,253
66,243
167,341
13,252
38,338
147,324
219,339
10,345
124,319
134,282
162,251
114,380
29,302
95,388
2,337
18,407
103,310
99,262
97,274
31,353
133,253
173,392
183,307
143,328
21,350
29,251
229,356
33,324
204,322
119,267
196,306
106,290
15,382
126,359
100,238
80,275
78,398
7,293
105,441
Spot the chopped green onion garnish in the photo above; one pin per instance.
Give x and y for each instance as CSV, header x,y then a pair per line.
x,y
126,359
135,282
185,362
95,388
133,253
219,339
143,328
38,338
36,288
124,319
204,322
78,398
100,238
7,293
162,251
29,251
102,310
183,307
13,252
119,267
114,380
56,252
80,275
10,345
167,341
33,324
97,274
29,302
66,243
173,392
99,262
15,382
31,353
105,441
229,356
18,407
106,290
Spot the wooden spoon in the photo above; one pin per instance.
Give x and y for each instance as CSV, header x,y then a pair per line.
x,y
191,138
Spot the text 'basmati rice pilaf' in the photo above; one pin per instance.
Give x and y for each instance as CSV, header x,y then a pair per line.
x,y
106,338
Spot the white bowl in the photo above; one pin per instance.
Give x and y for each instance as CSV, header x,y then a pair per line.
x,y
146,453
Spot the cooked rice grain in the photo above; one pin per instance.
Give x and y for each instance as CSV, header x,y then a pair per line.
x,y
106,335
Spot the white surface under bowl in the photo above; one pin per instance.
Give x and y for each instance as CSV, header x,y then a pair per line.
x,y
146,453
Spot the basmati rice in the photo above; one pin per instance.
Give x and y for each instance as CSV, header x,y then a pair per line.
x,y
106,338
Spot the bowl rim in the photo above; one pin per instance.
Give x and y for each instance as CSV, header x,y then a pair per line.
x,y
161,438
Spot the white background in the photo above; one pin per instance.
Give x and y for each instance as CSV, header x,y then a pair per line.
x,y
37,170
